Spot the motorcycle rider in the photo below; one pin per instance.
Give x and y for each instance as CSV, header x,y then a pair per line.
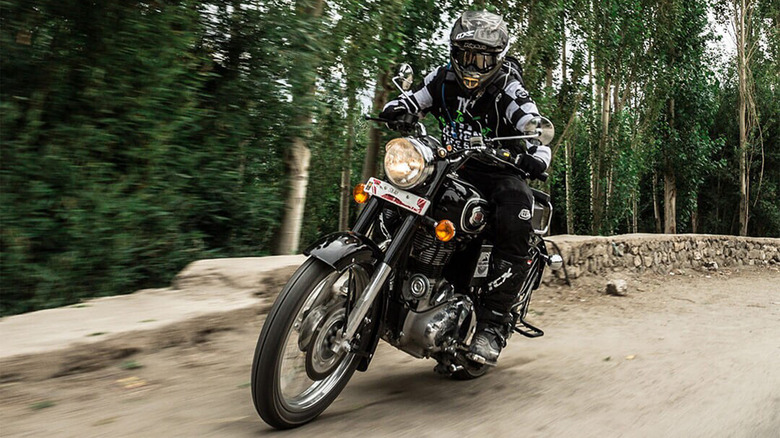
x,y
481,93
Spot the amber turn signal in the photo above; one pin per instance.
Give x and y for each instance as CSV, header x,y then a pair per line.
x,y
360,194
445,230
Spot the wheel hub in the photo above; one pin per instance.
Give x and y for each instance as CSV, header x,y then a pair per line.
x,y
321,360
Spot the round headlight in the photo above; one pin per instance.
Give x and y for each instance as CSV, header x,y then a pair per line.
x,y
408,163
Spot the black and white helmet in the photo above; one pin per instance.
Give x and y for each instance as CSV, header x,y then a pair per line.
x,y
479,42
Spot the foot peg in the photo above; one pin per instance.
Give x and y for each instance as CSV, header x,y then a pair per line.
x,y
526,329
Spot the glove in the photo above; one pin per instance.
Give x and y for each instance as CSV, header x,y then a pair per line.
x,y
534,166
393,112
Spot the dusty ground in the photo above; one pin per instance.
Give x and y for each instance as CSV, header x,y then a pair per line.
x,y
679,357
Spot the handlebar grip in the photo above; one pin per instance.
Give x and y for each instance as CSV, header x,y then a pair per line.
x,y
376,119
543,177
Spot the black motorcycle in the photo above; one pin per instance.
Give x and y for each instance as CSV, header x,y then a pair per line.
x,y
409,272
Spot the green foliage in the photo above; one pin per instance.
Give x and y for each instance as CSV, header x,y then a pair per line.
x,y
137,137
119,163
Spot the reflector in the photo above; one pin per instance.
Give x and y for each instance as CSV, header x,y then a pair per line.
x,y
360,194
445,230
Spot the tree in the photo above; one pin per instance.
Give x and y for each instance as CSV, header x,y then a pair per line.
x,y
302,78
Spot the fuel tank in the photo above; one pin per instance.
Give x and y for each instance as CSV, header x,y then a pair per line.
x,y
461,203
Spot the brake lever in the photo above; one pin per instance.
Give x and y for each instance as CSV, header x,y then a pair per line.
x,y
376,119
404,127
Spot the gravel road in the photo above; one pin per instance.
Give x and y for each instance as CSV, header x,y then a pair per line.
x,y
680,356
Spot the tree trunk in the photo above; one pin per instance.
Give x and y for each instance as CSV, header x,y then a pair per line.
x,y
549,80
298,168
744,171
563,48
656,212
670,203
634,213
569,212
375,133
346,165
299,155
599,195
670,184
609,189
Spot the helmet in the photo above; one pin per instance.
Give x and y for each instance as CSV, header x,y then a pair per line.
x,y
478,44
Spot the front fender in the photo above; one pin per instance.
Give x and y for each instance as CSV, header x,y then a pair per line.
x,y
342,249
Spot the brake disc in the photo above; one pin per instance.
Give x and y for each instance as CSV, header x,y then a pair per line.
x,y
320,358
309,327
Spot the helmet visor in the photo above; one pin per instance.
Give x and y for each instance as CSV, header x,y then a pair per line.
x,y
471,60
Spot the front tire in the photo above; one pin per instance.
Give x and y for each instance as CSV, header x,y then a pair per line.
x,y
285,392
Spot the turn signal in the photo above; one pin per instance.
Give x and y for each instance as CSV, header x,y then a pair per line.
x,y
360,194
445,231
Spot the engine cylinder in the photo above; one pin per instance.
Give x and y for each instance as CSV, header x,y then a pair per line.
x,y
430,255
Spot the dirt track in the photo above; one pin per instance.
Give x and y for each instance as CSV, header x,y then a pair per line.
x,y
679,356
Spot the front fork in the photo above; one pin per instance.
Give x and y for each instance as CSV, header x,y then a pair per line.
x,y
398,247
381,273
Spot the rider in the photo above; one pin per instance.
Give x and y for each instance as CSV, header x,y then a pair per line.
x,y
480,92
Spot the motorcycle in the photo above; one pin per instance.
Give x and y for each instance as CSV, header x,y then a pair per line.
x,y
409,272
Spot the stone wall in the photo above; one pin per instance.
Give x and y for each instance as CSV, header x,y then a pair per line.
x,y
661,253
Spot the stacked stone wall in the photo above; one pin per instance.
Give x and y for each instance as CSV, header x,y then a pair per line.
x,y
662,254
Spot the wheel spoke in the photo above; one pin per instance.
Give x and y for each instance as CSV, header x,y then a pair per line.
x,y
297,389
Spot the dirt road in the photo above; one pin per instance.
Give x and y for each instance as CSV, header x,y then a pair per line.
x,y
678,357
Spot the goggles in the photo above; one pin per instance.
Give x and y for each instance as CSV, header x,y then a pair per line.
x,y
482,62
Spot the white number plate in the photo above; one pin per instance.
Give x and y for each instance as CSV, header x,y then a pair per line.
x,y
401,198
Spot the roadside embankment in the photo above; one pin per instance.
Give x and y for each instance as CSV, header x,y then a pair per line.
x,y
220,294
207,296
661,253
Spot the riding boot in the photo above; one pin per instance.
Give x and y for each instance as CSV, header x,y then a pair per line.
x,y
494,318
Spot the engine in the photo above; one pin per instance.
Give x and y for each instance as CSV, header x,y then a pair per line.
x,y
438,329
437,318
429,255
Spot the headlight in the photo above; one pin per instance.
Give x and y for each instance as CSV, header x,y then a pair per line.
x,y
408,163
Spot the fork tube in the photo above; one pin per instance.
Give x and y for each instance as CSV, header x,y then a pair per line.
x,y
364,302
401,239
367,216
382,273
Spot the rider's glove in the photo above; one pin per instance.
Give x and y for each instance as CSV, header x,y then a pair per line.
x,y
393,112
534,166
399,117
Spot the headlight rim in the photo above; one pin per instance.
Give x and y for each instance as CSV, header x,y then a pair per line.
x,y
427,156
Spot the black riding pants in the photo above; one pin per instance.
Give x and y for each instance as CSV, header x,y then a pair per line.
x,y
513,203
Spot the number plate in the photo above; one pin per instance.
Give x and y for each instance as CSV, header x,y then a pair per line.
x,y
401,198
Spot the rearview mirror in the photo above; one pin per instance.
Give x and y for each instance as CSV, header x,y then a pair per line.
x,y
405,76
542,126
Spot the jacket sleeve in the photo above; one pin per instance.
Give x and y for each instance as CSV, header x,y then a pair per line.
x,y
519,108
421,98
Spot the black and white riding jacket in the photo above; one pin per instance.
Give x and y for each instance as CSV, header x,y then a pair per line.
x,y
500,110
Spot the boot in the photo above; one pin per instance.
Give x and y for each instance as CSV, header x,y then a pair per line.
x,y
494,309
506,277
487,343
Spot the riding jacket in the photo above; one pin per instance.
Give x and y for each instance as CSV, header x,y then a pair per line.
x,y
501,109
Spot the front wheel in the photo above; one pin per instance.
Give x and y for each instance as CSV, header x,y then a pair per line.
x,y
295,373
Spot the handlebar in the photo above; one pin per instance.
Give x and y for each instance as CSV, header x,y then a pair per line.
x,y
406,124
500,156
505,158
